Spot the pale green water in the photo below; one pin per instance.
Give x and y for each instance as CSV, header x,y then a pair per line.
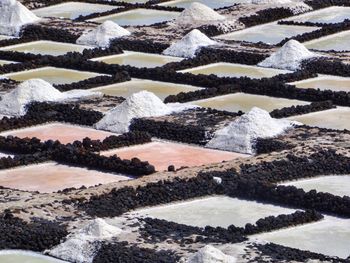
x,y
325,83
337,42
333,14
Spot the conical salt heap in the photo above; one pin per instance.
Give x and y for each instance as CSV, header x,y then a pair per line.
x,y
210,254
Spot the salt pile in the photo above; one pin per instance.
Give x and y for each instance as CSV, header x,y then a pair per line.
x,y
102,35
189,44
240,135
13,15
210,254
138,105
289,56
198,13
14,103
80,247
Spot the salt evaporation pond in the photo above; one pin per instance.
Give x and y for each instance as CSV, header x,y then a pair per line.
x,y
161,89
72,10
235,70
334,14
21,256
44,47
50,177
52,75
331,119
330,237
214,211
244,102
325,82
337,42
65,133
211,3
335,184
162,154
139,17
276,33
138,59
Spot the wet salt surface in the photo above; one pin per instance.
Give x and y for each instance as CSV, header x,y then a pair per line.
x,y
334,14
163,154
245,102
211,3
21,256
161,89
325,82
139,16
138,59
236,70
332,119
214,211
65,133
330,237
44,47
52,75
51,177
337,42
336,184
276,33
72,10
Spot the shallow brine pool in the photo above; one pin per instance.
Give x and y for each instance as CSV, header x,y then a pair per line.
x,y
214,211
138,59
52,75
161,89
335,184
330,236
334,14
325,82
337,42
44,47
235,70
139,17
72,10
244,102
211,3
269,33
332,119
21,256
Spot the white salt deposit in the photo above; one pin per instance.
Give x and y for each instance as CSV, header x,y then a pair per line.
x,y
13,15
80,247
295,7
289,56
14,103
240,135
102,35
138,105
198,13
210,254
189,44
259,2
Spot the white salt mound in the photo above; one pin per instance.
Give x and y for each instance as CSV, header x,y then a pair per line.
x,y
14,102
210,254
189,44
198,13
289,56
138,105
240,135
102,35
13,15
80,247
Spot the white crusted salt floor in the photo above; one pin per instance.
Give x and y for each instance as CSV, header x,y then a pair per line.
x,y
52,75
44,47
22,256
244,102
138,59
334,184
325,82
72,10
235,70
211,3
161,89
337,42
214,211
329,236
332,119
276,33
139,17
